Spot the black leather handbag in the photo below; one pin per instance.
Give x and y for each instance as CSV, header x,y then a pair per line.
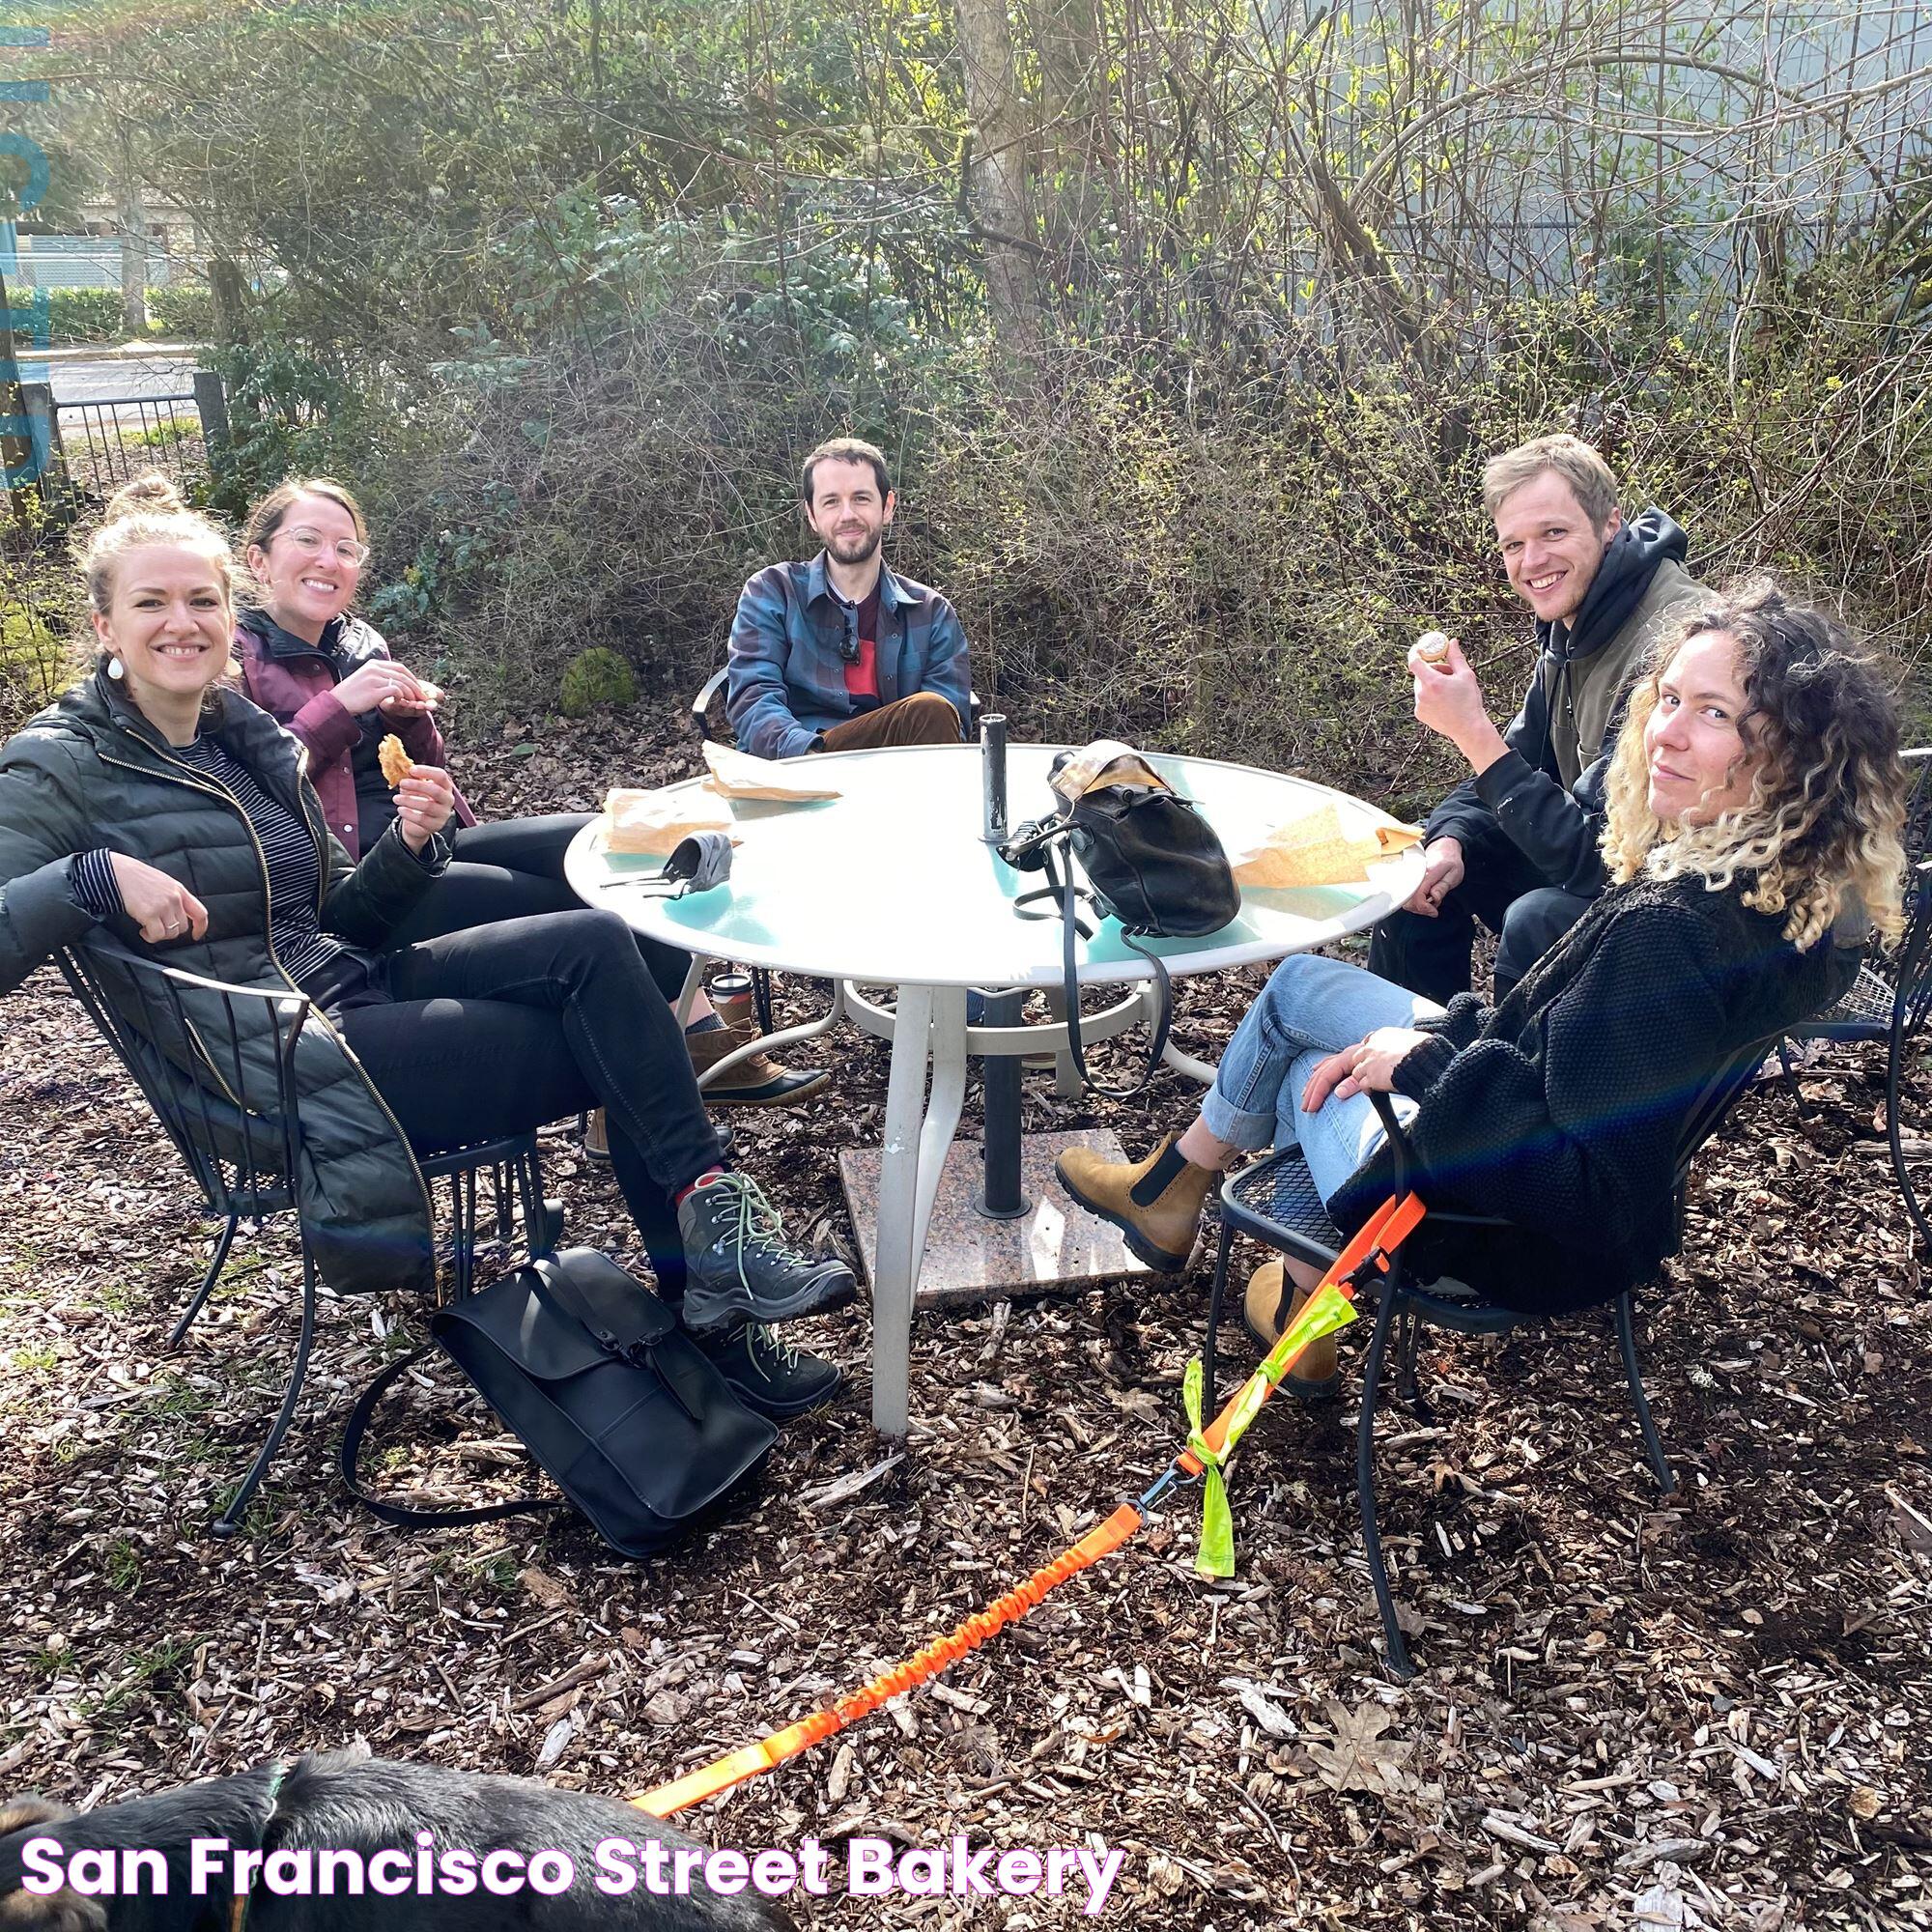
x,y
591,1373
1151,861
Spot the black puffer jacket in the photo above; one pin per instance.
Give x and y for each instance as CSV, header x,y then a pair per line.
x,y
91,773
1562,1108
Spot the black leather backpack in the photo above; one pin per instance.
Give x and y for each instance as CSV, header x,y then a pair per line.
x,y
1152,862
611,1396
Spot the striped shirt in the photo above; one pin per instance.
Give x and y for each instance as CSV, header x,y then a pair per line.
x,y
288,845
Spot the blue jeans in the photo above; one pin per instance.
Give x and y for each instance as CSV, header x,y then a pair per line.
x,y
1310,1008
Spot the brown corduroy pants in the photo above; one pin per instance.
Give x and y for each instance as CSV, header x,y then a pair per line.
x,y
923,719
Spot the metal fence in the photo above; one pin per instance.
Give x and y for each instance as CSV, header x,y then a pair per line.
x,y
113,440
88,449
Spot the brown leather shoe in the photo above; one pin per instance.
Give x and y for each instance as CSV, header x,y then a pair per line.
x,y
758,1081
597,1135
1273,1301
1155,1203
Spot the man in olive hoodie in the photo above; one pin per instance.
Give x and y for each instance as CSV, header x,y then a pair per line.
x,y
1515,845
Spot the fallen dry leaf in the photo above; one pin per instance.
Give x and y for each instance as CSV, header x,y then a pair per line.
x,y
1359,1758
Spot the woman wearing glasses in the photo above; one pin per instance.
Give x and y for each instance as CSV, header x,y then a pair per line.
x,y
327,677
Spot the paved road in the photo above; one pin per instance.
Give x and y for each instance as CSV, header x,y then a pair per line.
x,y
106,379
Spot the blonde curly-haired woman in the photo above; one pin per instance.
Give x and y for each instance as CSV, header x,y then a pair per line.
x,y
1752,844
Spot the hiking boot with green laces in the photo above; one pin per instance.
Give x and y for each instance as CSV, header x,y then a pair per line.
x,y
771,1375
740,1268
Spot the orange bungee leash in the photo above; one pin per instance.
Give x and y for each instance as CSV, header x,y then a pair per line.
x,y
1331,1306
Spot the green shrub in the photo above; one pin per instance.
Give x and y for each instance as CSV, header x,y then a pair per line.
x,y
34,666
594,677
181,312
84,315
163,435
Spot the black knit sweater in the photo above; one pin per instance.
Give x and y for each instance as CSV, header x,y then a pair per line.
x,y
1562,1108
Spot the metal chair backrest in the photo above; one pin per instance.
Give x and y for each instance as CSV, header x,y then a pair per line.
x,y
192,1068
1912,956
1720,1093
1714,1098
700,705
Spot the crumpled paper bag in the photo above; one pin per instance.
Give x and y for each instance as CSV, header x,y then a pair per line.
x,y
739,775
656,821
1105,761
1316,848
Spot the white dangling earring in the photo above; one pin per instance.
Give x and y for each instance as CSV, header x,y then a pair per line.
x,y
115,667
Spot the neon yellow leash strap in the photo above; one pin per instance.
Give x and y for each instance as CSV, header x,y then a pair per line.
x,y
1216,1556
1325,1311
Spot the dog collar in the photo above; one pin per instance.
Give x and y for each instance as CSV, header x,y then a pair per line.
x,y
238,1912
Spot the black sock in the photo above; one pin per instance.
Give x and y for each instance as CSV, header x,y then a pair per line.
x,y
710,1023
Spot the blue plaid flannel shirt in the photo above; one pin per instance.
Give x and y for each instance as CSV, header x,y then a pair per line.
x,y
787,675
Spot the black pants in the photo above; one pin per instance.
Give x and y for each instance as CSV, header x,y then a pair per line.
x,y
514,870
1430,956
502,1028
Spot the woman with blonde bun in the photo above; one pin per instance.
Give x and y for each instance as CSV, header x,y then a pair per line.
x,y
156,809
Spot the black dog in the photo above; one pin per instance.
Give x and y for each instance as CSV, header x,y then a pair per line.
x,y
348,1803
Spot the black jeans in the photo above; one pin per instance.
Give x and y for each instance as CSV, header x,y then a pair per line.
x,y
502,1028
514,870
1430,956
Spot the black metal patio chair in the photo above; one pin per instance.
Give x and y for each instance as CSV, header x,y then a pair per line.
x,y
243,1159
1892,994
1274,1201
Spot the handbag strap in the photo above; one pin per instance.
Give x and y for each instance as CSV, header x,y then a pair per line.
x,y
1070,986
402,1514
552,1284
643,1346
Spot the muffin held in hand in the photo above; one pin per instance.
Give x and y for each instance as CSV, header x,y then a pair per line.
x,y
394,760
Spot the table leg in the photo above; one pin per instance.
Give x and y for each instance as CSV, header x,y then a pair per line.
x,y
930,1024
1186,1063
1001,1198
1067,1082
941,1113
694,984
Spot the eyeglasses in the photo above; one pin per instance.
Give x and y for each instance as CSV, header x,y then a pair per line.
x,y
312,542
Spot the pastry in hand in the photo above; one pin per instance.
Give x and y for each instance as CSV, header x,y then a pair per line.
x,y
1433,647
394,760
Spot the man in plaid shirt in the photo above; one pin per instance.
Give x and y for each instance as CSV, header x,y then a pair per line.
x,y
839,653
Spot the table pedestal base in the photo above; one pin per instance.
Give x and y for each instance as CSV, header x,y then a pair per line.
x,y
970,1258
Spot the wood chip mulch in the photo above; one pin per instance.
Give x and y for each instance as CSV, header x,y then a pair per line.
x,y
1711,1709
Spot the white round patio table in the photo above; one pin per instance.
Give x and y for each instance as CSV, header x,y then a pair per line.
x,y
891,884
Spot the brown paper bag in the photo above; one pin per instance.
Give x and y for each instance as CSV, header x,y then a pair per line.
x,y
1316,848
655,821
1105,761
739,775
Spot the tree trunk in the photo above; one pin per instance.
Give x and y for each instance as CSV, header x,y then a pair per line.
x,y
133,221
229,287
996,165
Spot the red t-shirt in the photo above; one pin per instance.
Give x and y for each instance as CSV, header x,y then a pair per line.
x,y
861,679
